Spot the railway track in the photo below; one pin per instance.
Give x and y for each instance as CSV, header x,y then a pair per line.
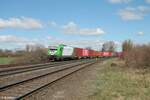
x,y
22,75
20,69
28,86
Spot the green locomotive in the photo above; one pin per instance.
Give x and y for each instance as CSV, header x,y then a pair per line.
x,y
61,52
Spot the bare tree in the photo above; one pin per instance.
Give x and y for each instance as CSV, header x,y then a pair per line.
x,y
109,46
35,47
1,52
27,48
127,45
89,48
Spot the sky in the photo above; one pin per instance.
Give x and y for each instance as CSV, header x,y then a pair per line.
x,y
80,23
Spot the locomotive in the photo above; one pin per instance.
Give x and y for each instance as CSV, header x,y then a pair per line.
x,y
63,52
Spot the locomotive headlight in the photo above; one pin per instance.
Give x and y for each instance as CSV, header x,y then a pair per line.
x,y
52,52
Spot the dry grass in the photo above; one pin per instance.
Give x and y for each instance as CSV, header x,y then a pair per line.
x,y
120,83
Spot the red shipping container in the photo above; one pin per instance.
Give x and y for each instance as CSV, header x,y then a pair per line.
x,y
107,54
90,53
110,54
79,52
97,54
119,54
100,54
85,52
93,53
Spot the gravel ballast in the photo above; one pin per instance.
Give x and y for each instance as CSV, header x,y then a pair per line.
x,y
75,87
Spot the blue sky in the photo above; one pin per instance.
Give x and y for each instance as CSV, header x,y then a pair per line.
x,y
73,22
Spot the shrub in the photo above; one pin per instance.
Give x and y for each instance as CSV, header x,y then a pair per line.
x,y
36,56
138,56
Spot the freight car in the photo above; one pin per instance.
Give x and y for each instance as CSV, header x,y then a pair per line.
x,y
66,52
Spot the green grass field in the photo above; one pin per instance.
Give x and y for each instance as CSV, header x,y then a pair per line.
x,y
6,60
120,83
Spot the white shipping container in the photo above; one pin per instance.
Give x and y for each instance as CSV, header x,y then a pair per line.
x,y
67,51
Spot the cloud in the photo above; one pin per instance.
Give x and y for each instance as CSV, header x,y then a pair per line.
x,y
11,38
23,22
119,1
72,28
148,1
140,33
133,13
52,24
49,37
20,41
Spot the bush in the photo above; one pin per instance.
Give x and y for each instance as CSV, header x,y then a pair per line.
x,y
36,56
138,56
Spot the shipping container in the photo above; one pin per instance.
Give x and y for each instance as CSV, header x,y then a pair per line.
x,y
78,52
100,54
85,52
107,54
119,54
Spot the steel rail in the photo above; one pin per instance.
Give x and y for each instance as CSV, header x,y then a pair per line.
x,y
26,69
21,82
48,84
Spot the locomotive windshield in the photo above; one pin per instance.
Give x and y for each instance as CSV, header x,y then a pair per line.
x,y
53,49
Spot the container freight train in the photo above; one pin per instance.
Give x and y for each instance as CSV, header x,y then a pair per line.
x,y
63,52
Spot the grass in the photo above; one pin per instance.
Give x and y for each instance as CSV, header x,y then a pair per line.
x,y
6,60
119,83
